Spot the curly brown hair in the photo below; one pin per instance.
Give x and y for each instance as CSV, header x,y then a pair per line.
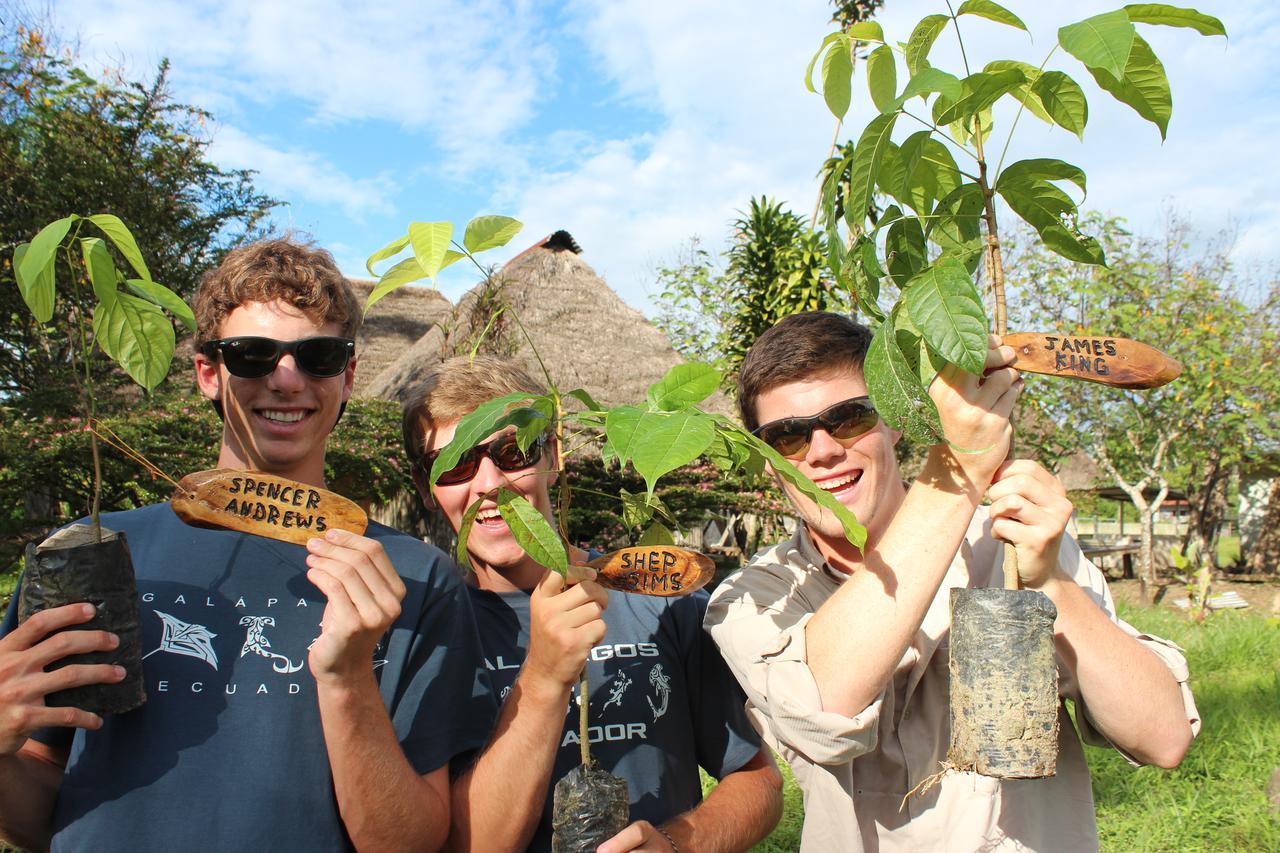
x,y
282,268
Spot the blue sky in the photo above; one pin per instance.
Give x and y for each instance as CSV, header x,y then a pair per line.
x,y
636,125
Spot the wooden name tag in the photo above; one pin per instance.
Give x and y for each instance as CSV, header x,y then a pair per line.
x,y
264,505
654,570
1120,362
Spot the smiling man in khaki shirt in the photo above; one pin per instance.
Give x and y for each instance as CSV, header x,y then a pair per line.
x,y
843,653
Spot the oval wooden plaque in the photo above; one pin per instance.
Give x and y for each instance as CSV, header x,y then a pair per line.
x,y
654,570
1120,362
263,504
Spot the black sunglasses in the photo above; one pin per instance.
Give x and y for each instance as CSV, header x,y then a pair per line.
x,y
253,357
843,421
504,451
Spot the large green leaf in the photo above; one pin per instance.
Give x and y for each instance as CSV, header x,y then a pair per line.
x,y
40,253
656,535
1144,86
464,532
891,174
37,292
905,250
866,31
684,385
1063,100
533,532
929,172
164,297
882,78
992,12
474,427
1045,207
101,269
921,41
867,156
808,72
395,247
853,529
837,78
896,391
123,239
929,80
490,232
402,273
924,362
658,442
430,241
1023,91
945,306
1101,42
1174,16
1044,168
956,216
137,335
981,90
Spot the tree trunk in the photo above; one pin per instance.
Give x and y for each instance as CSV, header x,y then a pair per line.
x,y
1264,554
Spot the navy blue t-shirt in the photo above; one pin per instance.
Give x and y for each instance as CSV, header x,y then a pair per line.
x,y
228,752
663,701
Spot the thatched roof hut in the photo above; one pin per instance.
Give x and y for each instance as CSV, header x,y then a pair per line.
x,y
395,323
586,335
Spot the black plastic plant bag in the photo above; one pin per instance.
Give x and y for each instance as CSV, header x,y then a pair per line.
x,y
589,807
70,567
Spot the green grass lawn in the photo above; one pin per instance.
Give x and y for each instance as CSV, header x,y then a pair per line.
x,y
1216,799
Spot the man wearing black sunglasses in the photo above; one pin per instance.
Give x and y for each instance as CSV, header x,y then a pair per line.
x,y
842,651
662,701
304,698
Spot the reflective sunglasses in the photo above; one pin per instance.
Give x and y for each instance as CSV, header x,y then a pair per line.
x,y
843,421
504,451
253,357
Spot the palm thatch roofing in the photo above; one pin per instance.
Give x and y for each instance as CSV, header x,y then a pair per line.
x,y
394,324
585,334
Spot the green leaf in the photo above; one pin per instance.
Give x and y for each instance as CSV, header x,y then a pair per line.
x,y
944,305
658,442
402,273
637,510
450,257
40,253
464,532
981,90
957,215
837,78
905,251
586,399
891,174
921,41
38,293
928,80
533,532
490,232
684,385
867,156
164,297
924,363
1023,92
101,269
1063,100
656,534
929,172
123,239
808,72
1173,16
474,427
1144,86
853,529
395,247
866,31
136,335
1029,171
992,12
1050,210
896,392
430,242
1101,42
882,78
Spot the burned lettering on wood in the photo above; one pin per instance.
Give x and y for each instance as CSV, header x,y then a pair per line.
x,y
1119,362
264,504
654,570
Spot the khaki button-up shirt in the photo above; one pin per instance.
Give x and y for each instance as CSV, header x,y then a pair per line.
x,y
855,772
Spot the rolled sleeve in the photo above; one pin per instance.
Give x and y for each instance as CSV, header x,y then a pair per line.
x,y
765,649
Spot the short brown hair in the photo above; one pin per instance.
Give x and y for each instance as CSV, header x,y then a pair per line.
x,y
456,388
298,273
802,346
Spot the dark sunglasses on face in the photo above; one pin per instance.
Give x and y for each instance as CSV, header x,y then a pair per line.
x,y
253,357
843,421
504,451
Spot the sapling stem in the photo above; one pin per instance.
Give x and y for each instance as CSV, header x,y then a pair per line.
x,y
86,394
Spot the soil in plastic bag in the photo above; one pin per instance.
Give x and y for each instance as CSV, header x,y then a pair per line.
x,y
589,807
1004,683
72,566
